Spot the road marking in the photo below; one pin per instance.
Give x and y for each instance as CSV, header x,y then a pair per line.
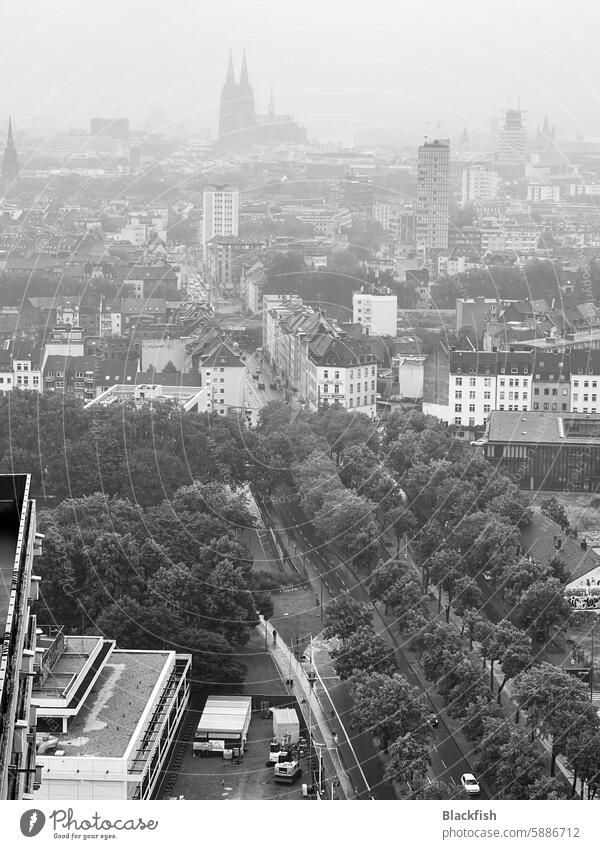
x,y
452,780
443,763
428,779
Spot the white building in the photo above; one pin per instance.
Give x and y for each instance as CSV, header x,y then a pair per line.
x,y
432,194
408,374
220,213
107,733
340,373
223,373
537,192
65,341
378,313
479,183
27,370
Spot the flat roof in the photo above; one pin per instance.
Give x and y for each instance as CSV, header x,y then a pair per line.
x,y
106,723
565,428
13,490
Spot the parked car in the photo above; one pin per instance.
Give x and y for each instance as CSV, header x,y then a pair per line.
x,y
433,720
470,784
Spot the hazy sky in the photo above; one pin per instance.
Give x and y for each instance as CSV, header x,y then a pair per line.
x,y
335,65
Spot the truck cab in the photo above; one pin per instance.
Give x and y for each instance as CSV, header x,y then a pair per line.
x,y
287,772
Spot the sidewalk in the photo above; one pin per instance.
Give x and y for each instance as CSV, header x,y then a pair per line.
x,y
312,710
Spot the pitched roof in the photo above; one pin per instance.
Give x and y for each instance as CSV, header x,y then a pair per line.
x,y
223,356
538,540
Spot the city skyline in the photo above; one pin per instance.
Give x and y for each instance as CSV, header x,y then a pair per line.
x,y
406,70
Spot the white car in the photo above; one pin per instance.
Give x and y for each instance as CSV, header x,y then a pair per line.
x,y
470,784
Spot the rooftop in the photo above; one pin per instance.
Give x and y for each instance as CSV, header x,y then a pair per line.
x,y
108,720
539,538
527,427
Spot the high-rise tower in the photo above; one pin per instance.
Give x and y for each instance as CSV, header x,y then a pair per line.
x,y
10,163
512,145
432,194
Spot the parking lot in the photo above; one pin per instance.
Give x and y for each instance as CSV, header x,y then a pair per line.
x,y
215,778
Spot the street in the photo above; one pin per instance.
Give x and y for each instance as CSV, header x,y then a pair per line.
x,y
448,763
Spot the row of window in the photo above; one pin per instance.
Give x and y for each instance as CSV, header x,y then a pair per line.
x,y
365,403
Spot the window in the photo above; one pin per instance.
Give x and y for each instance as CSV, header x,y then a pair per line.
x,y
487,381
536,391
458,408
325,388
546,391
487,396
576,397
366,372
221,369
546,406
366,401
459,381
471,422
486,408
458,394
336,375
586,384
337,389
575,383
351,388
536,406
372,384
524,396
472,381
79,374
471,408
525,382
372,399
502,381
472,395
585,398
511,382
457,420
373,370
222,391
350,402
502,396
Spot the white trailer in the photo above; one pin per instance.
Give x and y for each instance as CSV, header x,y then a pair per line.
x,y
286,722
224,724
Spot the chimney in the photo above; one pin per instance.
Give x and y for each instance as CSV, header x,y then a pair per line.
x,y
584,544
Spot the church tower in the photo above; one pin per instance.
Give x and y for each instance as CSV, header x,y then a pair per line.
x,y
246,99
228,117
10,163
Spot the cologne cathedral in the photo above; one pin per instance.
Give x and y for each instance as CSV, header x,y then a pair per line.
x,y
240,125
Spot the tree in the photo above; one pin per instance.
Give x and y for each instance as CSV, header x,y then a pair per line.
x,y
386,706
401,520
436,790
517,657
384,578
477,712
553,509
363,651
347,521
498,640
344,616
461,685
583,753
556,703
497,732
408,760
468,596
441,645
543,605
545,787
518,768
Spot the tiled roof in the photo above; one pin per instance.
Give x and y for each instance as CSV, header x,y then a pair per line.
x,y
538,540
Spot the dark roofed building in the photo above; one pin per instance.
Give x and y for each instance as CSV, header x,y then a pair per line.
x,y
544,539
546,450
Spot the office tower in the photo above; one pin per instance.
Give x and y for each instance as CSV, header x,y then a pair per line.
x,y
220,213
479,183
512,145
432,194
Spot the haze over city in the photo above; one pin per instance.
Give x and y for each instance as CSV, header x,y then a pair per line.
x,y
398,68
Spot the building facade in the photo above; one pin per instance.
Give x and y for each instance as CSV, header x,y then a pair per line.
x,y
377,313
220,213
19,589
433,170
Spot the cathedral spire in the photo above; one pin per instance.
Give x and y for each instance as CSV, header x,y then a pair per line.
x,y
10,163
244,79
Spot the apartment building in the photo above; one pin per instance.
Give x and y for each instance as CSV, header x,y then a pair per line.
x,y
433,170
252,281
316,358
340,372
479,183
464,387
19,589
584,381
474,314
220,213
222,371
551,384
376,312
